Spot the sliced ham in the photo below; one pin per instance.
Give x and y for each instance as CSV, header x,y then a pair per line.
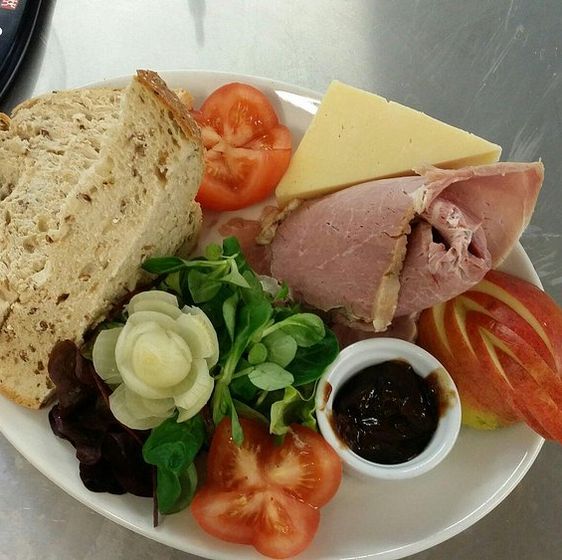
x,y
502,196
473,218
347,251
447,254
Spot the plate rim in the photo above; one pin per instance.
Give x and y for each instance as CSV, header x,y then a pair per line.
x,y
213,552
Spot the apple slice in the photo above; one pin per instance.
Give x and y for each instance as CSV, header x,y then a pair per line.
x,y
523,353
532,304
534,308
491,389
518,388
502,343
542,415
441,333
529,329
434,337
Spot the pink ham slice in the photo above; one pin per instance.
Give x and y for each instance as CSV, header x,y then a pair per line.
x,y
346,251
478,214
502,196
447,253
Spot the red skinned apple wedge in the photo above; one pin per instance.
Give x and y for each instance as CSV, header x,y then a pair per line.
x,y
506,315
500,352
502,343
441,333
514,382
490,394
530,303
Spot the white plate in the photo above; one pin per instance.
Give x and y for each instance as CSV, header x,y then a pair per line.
x,y
386,519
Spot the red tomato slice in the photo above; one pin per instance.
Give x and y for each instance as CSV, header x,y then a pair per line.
x,y
275,524
263,494
247,149
232,467
306,467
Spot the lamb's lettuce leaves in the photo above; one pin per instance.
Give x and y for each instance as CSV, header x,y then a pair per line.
x,y
268,345
296,407
172,448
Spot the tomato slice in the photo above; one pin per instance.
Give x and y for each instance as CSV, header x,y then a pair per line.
x,y
230,466
306,467
247,150
275,524
264,494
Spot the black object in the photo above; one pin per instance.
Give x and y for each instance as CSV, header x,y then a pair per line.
x,y
17,23
387,413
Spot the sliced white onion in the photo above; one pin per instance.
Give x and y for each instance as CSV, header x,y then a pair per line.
x,y
126,343
103,355
151,296
142,317
163,355
128,417
144,408
196,393
161,358
159,306
213,358
194,330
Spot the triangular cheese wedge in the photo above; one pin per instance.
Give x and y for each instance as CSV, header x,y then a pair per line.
x,y
357,136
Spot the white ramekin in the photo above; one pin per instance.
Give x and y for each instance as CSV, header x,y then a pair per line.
x,y
373,351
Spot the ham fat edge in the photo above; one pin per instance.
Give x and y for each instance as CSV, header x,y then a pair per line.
x,y
393,247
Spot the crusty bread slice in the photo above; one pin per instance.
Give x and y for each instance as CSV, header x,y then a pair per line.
x,y
59,132
133,200
45,147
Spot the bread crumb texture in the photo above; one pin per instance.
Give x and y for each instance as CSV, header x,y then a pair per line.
x,y
92,182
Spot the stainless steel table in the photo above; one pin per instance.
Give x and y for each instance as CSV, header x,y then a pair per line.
x,y
491,66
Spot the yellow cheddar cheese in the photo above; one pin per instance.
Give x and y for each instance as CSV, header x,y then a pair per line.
x,y
357,136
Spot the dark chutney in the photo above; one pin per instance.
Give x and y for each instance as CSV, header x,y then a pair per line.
x,y
387,413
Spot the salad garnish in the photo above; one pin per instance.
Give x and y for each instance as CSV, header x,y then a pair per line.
x,y
268,345
171,448
213,349
158,362
263,494
109,453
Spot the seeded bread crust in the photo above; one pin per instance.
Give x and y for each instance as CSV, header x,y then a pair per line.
x,y
94,182
152,81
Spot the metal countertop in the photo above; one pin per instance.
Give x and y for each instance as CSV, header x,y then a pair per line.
x,y
493,67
